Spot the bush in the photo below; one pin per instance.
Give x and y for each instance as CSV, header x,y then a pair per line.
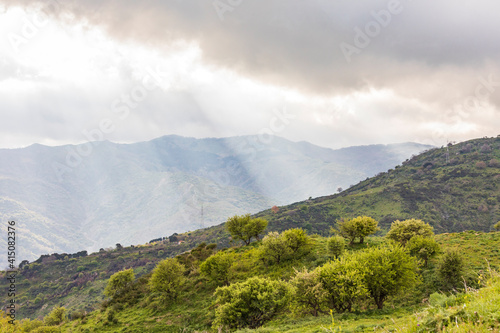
x,y
360,226
343,282
388,270
119,282
423,248
336,246
403,231
250,303
308,292
167,278
217,267
55,317
290,244
451,268
245,228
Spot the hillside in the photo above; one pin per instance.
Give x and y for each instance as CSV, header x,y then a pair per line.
x,y
84,279
71,198
454,188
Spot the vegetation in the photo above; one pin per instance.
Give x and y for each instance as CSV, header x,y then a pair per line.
x,y
359,227
403,231
118,282
418,284
250,303
245,228
336,246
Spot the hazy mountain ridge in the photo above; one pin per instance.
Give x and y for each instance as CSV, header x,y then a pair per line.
x,y
130,193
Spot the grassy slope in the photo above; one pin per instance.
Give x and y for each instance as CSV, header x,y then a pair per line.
x,y
452,194
194,311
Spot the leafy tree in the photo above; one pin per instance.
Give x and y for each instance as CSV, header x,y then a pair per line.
x,y
388,270
245,228
55,317
336,246
250,303
118,282
217,267
343,281
290,244
360,226
451,268
308,292
297,241
423,247
403,231
167,278
497,226
275,248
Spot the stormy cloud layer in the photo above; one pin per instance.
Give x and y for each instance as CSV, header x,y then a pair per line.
x,y
352,72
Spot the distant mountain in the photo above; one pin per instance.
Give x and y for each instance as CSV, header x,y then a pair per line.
x,y
70,198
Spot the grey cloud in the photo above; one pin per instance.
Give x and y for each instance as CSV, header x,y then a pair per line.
x,y
296,43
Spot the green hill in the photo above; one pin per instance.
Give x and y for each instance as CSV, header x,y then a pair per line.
x,y
453,188
139,310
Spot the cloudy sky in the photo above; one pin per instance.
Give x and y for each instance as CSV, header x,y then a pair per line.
x,y
335,73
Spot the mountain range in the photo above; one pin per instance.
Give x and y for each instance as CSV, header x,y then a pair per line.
x,y
74,197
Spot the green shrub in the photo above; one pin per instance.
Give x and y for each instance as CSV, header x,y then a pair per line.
x,y
451,269
119,282
423,247
217,267
167,278
388,270
403,231
55,317
308,292
250,303
343,281
336,246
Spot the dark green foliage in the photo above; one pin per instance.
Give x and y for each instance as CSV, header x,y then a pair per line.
x,y
451,269
336,246
245,228
250,303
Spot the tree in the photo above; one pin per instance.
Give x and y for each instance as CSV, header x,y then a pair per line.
x,y
403,231
497,226
217,267
336,246
451,268
167,278
308,292
343,281
360,226
290,244
422,247
297,240
250,303
388,270
274,247
245,228
55,317
118,282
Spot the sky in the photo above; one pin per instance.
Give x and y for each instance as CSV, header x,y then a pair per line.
x,y
335,73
